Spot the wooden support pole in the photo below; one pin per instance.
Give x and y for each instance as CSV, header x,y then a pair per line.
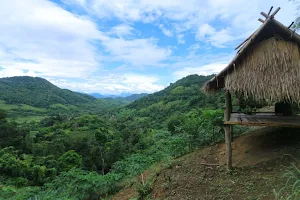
x,y
227,129
228,104
228,147
264,14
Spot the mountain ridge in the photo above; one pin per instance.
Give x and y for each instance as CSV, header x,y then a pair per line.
x,y
39,92
127,96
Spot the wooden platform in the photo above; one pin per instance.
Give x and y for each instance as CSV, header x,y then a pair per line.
x,y
263,119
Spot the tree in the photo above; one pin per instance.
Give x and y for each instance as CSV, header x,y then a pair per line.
x,y
3,116
70,160
296,25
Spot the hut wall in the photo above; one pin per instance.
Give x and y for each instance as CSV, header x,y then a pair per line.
x,y
269,70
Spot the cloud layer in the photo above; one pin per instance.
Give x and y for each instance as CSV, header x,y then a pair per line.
x,y
124,45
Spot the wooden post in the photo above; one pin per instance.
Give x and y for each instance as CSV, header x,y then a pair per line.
x,y
227,129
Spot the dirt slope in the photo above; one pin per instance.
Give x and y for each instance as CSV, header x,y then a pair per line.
x,y
258,159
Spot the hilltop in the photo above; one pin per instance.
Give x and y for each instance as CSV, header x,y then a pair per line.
x,y
174,101
126,96
38,92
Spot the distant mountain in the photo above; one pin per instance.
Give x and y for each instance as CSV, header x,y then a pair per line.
x,y
178,98
126,96
97,95
38,92
135,97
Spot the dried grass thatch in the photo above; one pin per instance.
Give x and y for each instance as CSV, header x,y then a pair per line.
x,y
270,70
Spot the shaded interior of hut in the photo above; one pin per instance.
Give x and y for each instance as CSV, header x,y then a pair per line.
x,y
242,104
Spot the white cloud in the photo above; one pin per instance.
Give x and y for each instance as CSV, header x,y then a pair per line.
x,y
42,37
112,84
194,63
16,72
239,17
165,31
180,39
57,41
204,30
137,52
209,69
39,37
193,48
122,30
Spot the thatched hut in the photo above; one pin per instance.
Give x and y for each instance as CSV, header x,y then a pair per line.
x,y
266,68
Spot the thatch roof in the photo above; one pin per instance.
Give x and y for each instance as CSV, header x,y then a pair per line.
x,y
266,67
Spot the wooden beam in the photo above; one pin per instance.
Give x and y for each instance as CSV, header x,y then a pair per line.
x,y
243,42
227,129
270,10
275,12
291,25
275,124
291,32
264,14
261,20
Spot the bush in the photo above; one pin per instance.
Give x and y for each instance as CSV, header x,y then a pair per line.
x,y
70,160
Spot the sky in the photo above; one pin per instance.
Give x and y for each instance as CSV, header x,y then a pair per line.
x,y
125,46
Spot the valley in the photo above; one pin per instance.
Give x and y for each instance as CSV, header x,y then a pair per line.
x,y
102,147
150,100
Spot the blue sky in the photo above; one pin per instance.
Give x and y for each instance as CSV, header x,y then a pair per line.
x,y
115,46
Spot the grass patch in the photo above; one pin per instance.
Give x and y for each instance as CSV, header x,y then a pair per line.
x,y
59,106
28,119
20,107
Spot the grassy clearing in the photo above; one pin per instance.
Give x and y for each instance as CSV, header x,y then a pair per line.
x,y
28,119
59,106
7,107
20,107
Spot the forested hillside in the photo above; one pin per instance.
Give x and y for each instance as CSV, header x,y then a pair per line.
x,y
134,97
100,146
177,99
38,92
32,99
94,145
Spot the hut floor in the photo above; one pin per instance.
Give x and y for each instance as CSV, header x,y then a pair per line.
x,y
263,119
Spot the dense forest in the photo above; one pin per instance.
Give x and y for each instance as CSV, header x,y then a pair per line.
x,y
60,144
29,98
89,150
93,150
37,92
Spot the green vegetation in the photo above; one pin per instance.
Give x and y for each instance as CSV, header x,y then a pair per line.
x,y
296,25
95,145
291,190
27,99
37,92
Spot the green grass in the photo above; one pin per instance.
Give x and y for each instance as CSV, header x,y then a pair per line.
x,y
7,107
61,106
28,119
31,108
20,107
